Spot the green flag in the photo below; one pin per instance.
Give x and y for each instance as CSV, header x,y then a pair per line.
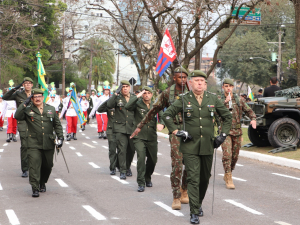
x,y
41,76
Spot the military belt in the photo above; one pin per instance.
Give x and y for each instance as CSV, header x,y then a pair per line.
x,y
236,126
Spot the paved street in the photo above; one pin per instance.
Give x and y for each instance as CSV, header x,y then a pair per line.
x,y
265,193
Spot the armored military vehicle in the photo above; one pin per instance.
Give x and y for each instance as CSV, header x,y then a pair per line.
x,y
278,119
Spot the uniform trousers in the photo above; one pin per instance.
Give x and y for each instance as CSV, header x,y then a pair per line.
x,y
112,153
145,149
1,121
231,148
40,166
85,115
126,151
23,151
11,125
102,122
198,168
178,177
71,124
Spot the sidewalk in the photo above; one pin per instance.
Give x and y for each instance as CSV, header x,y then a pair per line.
x,y
260,157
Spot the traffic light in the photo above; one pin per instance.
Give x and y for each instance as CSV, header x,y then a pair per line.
x,y
219,63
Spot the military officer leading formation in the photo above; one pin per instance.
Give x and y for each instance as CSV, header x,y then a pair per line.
x,y
130,123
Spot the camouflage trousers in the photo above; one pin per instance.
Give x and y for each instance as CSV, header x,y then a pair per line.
x,y
231,148
177,177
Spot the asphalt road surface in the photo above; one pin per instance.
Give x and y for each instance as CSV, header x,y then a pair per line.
x,y
264,194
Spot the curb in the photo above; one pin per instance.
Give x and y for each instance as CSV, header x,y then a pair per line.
x,y
260,157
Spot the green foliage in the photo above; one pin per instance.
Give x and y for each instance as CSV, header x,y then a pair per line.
x,y
162,86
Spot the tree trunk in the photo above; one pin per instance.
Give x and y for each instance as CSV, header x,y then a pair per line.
x,y
90,72
297,27
197,42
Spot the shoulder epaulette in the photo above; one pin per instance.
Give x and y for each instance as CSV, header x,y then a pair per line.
x,y
211,93
183,94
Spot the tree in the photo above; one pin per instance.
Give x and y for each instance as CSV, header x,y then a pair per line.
x,y
297,38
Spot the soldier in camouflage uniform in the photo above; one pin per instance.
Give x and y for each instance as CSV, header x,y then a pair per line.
x,y
165,99
232,144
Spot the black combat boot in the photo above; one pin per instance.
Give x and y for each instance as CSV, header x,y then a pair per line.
x,y
83,127
8,138
141,189
35,193
129,173
104,135
1,128
123,176
74,136
100,135
14,138
194,219
68,137
200,212
42,188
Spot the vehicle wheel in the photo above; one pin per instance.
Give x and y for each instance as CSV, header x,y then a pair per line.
x,y
284,131
258,137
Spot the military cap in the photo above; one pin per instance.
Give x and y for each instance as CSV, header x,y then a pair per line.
x,y
228,81
146,88
181,69
198,73
37,91
260,90
28,79
125,82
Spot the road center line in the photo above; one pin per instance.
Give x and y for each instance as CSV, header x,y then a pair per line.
x,y
95,142
1,187
104,146
1,150
61,183
167,176
133,164
13,219
159,153
93,212
5,144
239,164
72,148
94,165
78,153
234,178
87,137
282,223
282,175
91,146
67,142
83,134
154,173
118,179
169,209
243,207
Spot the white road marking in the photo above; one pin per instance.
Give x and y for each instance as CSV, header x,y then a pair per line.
x,y
156,173
133,164
87,137
94,165
134,161
61,183
169,209
158,141
83,134
91,146
239,164
5,144
1,150
1,187
118,179
93,125
282,223
167,176
159,153
80,131
93,212
72,148
282,175
234,178
169,145
115,218
95,142
78,153
13,219
104,146
243,207
67,142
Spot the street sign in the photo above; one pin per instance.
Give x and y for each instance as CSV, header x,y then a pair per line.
x,y
132,81
250,19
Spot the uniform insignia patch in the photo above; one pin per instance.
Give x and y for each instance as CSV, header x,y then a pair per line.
x,y
167,117
188,114
210,106
31,112
177,97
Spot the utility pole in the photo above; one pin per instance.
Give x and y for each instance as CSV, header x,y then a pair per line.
x,y
118,68
63,58
279,57
91,68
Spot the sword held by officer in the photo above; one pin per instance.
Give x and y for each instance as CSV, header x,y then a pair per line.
x,y
58,146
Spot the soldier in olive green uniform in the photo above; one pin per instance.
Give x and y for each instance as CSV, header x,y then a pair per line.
x,y
90,100
123,125
145,143
111,136
198,108
41,120
20,97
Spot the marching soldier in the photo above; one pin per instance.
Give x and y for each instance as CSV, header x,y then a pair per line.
x,y
165,99
123,124
20,97
198,107
232,144
111,136
41,120
145,143
90,100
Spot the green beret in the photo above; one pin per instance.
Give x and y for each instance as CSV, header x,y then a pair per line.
x,y
181,69
146,88
28,79
125,82
228,81
198,73
37,91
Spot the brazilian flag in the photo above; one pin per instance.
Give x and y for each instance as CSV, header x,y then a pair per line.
x,y
41,76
